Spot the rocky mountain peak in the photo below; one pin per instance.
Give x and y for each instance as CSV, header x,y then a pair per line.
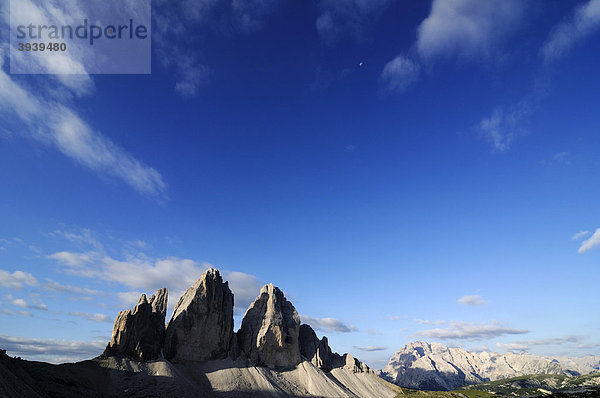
x,y
138,333
269,332
201,327
434,366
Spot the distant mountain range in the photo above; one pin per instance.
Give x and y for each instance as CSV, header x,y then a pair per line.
x,y
425,366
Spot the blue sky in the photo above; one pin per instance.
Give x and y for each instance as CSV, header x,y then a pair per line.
x,y
402,170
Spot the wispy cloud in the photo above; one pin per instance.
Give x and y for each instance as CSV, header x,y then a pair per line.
x,y
16,280
580,235
474,300
584,22
590,243
71,259
50,119
505,124
245,287
340,18
370,348
471,331
19,302
250,15
82,236
394,317
59,287
147,275
467,28
328,324
399,74
51,350
525,345
92,317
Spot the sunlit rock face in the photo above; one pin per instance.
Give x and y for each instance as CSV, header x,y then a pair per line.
x,y
201,327
434,366
269,332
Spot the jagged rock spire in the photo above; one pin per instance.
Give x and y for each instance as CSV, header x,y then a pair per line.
x,y
201,327
138,333
269,332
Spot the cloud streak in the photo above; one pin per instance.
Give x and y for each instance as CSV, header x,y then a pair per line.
x,y
370,348
584,22
328,324
147,275
474,300
471,331
55,351
591,243
16,280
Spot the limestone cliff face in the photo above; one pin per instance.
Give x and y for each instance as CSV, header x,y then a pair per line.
x,y
138,333
436,367
269,332
201,327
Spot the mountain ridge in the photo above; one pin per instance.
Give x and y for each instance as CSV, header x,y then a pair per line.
x,y
434,366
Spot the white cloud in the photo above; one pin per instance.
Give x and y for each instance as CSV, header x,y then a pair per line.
x,y
394,317
467,28
92,317
245,287
24,304
72,259
26,313
504,125
328,324
471,331
83,236
525,345
590,243
148,275
192,75
585,20
249,15
428,322
56,124
580,235
474,300
16,280
51,350
76,139
399,74
58,287
339,18
130,299
370,348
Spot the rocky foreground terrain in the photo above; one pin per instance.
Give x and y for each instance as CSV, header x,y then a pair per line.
x,y
424,366
198,354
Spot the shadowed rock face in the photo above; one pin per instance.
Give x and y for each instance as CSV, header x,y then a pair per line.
x,y
316,351
138,333
202,324
269,332
319,353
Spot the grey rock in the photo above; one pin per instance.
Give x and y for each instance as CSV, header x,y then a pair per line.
x,y
138,333
201,327
319,353
354,365
434,366
269,332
